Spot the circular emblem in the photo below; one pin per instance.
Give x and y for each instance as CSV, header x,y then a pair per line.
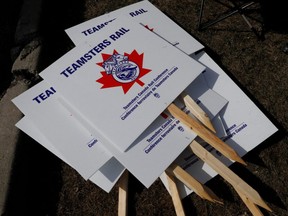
x,y
126,72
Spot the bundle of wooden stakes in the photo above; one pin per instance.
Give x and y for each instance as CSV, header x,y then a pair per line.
x,y
203,127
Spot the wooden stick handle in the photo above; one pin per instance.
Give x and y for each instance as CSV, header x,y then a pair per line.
x,y
200,189
228,175
196,110
205,134
250,205
123,194
175,194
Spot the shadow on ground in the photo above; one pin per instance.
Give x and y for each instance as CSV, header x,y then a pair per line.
x,y
35,180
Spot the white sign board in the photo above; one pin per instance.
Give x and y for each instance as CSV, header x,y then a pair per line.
x,y
75,143
106,177
38,100
244,124
144,152
144,13
140,155
114,79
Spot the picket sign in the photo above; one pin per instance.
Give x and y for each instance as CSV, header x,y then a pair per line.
x,y
63,134
249,196
205,134
240,186
145,14
110,109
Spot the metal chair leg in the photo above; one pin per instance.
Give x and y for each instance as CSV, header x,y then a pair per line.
x,y
234,10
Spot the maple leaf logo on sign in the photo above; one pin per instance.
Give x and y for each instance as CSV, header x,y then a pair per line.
x,y
122,70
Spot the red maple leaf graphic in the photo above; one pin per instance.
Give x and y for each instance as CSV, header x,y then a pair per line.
x,y
109,82
151,29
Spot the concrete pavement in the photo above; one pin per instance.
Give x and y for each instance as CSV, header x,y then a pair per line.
x,y
26,50
9,115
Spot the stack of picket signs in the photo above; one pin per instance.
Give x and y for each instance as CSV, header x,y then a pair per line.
x,y
138,93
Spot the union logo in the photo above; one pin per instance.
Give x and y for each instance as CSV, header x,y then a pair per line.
x,y
122,70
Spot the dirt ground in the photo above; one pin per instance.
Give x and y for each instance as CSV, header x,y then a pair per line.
x,y
258,66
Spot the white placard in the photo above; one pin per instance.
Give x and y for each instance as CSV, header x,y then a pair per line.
x,y
106,177
28,127
155,149
161,136
142,12
75,143
245,126
148,150
115,93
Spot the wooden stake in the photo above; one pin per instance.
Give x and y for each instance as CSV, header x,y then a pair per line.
x,y
250,205
239,185
175,194
196,110
205,134
123,194
200,189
